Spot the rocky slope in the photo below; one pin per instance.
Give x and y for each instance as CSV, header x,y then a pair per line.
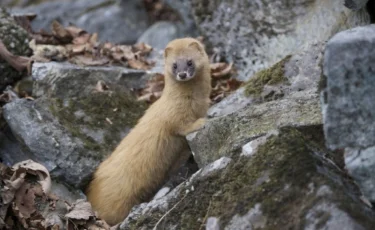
x,y
293,148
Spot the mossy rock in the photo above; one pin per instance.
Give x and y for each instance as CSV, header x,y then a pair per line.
x,y
16,40
72,135
289,181
100,119
249,123
271,76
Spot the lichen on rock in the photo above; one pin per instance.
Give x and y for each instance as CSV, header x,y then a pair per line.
x,y
271,76
73,123
15,39
99,119
288,177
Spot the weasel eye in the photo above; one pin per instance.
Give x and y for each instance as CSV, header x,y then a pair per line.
x,y
174,66
189,63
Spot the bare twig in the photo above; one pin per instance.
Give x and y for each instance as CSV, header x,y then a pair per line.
x,y
174,206
206,216
19,63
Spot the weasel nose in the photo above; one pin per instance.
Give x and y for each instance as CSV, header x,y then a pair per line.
x,y
182,75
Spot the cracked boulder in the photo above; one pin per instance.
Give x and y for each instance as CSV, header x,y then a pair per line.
x,y
286,94
290,181
78,117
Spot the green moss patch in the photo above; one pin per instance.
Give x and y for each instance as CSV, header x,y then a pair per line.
x,y
271,76
109,112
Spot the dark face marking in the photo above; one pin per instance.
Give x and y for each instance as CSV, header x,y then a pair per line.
x,y
183,69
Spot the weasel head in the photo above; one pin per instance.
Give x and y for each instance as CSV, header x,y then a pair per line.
x,y
184,59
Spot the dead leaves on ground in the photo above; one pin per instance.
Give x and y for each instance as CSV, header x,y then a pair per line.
x,y
81,216
82,48
20,190
222,84
79,47
153,90
25,202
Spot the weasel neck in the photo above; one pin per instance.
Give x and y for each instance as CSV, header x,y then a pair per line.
x,y
197,88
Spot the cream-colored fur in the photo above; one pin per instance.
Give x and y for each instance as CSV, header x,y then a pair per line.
x,y
143,159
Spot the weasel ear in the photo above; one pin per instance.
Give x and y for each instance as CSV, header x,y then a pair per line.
x,y
166,51
196,46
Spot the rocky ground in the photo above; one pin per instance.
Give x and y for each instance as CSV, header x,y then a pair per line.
x,y
289,143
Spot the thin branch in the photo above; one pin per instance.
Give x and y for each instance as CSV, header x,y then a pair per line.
x,y
174,206
19,63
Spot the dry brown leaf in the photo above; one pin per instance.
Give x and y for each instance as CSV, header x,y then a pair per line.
x,y
75,31
45,39
220,69
82,39
122,53
153,90
137,64
81,210
143,48
106,48
85,60
93,39
77,48
22,207
218,98
61,33
8,95
234,84
38,170
24,201
19,63
101,86
48,52
148,97
82,48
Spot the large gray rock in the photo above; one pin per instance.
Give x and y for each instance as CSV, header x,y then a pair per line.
x,y
293,101
45,75
348,111
250,123
16,40
160,34
11,151
187,24
355,4
113,22
123,23
257,34
302,72
290,182
73,125
361,166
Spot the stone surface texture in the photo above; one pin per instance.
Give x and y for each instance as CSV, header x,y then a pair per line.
x,y
115,22
256,34
72,126
349,111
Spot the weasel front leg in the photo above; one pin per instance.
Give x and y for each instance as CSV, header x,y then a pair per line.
x,y
192,127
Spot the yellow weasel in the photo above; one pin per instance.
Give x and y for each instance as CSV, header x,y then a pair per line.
x,y
141,162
